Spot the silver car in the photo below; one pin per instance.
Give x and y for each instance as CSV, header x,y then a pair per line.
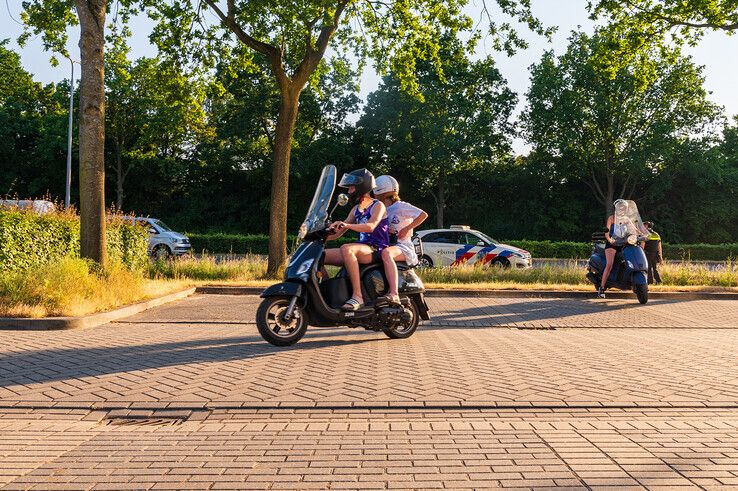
x,y
163,241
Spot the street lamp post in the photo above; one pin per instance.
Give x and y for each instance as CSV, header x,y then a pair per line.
x,y
68,197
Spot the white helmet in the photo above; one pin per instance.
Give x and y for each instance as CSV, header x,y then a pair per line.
x,y
386,184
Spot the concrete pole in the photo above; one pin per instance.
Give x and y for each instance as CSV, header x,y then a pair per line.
x,y
67,197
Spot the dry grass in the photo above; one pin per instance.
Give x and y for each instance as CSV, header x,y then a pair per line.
x,y
677,276
71,287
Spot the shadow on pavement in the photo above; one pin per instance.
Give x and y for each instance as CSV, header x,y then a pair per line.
x,y
49,365
532,310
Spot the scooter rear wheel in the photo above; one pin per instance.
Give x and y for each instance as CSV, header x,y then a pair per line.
x,y
641,292
404,330
272,325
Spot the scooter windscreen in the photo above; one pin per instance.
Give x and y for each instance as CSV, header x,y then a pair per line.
x,y
318,212
627,220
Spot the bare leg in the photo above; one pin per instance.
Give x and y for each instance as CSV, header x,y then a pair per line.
x,y
610,256
353,254
333,257
390,256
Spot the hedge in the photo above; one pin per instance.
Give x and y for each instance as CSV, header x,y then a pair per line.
x,y
259,244
28,239
240,244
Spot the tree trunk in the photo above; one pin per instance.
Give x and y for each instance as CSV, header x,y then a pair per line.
x,y
440,203
280,181
92,130
119,177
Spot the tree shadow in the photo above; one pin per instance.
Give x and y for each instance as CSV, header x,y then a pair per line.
x,y
531,310
48,365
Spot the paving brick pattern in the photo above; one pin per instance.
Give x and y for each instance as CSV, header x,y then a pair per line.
x,y
527,394
203,351
380,450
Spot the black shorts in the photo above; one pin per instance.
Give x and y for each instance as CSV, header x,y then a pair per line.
x,y
613,246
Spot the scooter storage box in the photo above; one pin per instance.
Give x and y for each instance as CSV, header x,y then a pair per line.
x,y
336,291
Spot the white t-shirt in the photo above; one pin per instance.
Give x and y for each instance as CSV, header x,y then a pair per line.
x,y
399,216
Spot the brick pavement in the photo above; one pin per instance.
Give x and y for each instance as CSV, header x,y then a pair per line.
x,y
628,449
189,396
177,355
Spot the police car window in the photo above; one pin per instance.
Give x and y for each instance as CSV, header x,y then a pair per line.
x,y
441,238
472,239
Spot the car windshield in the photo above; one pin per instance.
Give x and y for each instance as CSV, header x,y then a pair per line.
x,y
162,225
488,238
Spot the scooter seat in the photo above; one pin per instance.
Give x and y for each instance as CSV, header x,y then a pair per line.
x,y
403,266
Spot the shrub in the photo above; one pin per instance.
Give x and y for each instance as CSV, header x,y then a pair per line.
x,y
28,240
242,244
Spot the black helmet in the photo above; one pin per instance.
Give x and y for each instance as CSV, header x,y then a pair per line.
x,y
361,179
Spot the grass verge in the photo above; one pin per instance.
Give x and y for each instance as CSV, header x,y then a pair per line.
x,y
251,271
73,287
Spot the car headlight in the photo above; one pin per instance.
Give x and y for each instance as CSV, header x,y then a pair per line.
x,y
632,239
305,267
517,254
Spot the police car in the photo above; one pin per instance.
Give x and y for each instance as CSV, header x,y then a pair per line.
x,y
460,245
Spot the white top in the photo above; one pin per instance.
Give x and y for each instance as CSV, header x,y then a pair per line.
x,y
399,216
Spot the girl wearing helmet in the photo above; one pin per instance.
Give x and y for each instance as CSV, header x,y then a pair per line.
x,y
402,218
368,217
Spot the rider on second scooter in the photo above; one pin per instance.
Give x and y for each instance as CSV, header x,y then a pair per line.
x,y
619,226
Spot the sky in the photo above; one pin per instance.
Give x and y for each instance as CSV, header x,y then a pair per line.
x,y
717,51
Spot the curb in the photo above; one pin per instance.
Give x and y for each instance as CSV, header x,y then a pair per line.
x,y
92,320
250,290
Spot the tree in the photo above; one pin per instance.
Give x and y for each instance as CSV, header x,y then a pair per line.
x,y
294,37
462,124
32,129
636,26
154,112
51,18
613,133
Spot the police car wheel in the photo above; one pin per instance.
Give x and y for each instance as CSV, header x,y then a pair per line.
x,y
425,262
501,262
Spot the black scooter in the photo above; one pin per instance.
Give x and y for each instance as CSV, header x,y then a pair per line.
x,y
305,298
629,271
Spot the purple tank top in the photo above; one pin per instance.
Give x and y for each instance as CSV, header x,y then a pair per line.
x,y
379,237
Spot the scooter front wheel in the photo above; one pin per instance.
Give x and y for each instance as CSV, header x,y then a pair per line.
x,y
641,292
272,325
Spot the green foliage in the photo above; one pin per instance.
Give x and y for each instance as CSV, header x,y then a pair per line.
x,y
461,127
33,129
258,244
243,244
28,240
614,134
637,26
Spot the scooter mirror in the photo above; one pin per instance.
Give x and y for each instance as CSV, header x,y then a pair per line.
x,y
342,200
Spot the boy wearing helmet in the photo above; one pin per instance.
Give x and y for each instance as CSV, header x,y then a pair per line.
x,y
402,218
369,218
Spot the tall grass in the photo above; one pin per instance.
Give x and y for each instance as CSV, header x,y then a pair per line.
x,y
71,286
569,274
250,268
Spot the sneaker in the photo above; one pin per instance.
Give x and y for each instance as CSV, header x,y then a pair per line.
x,y
600,292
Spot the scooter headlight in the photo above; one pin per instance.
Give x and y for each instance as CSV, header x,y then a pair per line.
x,y
303,231
632,239
305,267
